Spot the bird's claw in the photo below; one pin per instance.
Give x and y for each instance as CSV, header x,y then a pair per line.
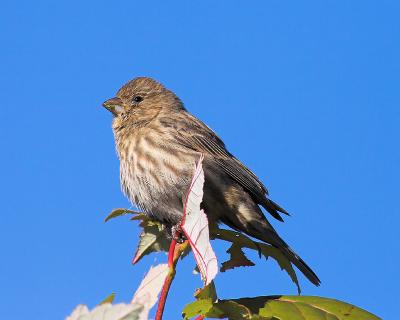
x,y
177,233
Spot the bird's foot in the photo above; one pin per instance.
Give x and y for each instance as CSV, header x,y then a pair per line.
x,y
177,233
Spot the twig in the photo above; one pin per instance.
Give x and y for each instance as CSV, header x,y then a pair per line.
x,y
175,251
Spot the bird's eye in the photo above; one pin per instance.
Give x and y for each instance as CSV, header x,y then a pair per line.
x,y
137,99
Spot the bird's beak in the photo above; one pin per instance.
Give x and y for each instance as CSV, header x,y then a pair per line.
x,y
114,105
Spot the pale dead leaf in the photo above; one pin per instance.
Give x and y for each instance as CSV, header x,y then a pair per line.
x,y
149,289
195,227
108,311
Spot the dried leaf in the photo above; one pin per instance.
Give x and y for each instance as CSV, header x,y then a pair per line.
x,y
150,288
143,300
237,258
195,227
107,311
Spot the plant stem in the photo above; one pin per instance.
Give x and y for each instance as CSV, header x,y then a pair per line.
x,y
171,254
175,251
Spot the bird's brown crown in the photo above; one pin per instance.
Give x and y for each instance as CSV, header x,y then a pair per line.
x,y
140,86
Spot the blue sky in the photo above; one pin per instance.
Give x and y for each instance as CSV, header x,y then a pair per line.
x,y
306,94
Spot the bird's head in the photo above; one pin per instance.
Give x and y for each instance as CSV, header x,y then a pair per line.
x,y
142,97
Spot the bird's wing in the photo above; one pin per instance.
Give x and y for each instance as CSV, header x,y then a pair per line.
x,y
194,134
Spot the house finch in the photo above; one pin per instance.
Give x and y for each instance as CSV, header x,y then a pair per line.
x,y
159,142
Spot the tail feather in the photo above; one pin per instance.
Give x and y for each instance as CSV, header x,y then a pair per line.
x,y
301,265
264,231
273,208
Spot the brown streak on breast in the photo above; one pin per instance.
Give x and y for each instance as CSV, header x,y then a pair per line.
x,y
140,167
150,159
171,168
150,141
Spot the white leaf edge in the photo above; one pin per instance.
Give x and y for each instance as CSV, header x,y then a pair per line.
x,y
195,227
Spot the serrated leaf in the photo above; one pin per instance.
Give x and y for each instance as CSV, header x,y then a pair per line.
x,y
242,241
270,251
208,292
109,299
237,258
152,239
229,309
219,310
195,227
120,212
198,307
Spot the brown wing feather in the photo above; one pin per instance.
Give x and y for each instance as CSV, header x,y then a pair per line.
x,y
195,135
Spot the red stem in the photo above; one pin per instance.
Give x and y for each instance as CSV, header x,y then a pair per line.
x,y
163,296
175,251
171,253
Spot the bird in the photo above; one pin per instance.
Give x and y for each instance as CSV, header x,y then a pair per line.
x,y
159,142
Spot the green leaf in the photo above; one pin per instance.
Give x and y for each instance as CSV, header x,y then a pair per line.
x,y
237,258
278,308
152,239
120,212
140,216
109,299
240,241
221,309
208,292
307,307
284,263
229,309
199,307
